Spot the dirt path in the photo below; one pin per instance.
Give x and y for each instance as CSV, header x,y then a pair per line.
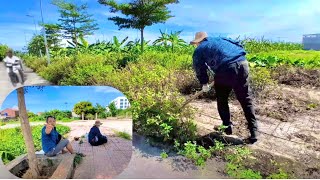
x,y
31,78
295,136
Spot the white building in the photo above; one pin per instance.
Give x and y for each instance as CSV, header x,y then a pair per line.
x,y
121,103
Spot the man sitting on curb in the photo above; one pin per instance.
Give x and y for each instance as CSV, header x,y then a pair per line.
x,y
52,141
95,137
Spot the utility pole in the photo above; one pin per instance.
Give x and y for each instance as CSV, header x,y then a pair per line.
x,y
45,36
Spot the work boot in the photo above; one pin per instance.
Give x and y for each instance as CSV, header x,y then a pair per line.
x,y
253,138
228,130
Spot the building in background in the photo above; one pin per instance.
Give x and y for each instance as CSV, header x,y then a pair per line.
x,y
311,42
9,113
121,103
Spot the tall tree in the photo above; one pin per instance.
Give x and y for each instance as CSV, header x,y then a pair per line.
x,y
53,33
139,13
84,107
33,171
36,45
74,20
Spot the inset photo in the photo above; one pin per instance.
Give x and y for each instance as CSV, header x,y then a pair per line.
x,y
66,132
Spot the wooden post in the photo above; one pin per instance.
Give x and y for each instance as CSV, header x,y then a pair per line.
x,y
82,115
27,134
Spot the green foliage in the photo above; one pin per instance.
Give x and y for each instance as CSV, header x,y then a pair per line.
x,y
77,159
164,155
12,142
196,153
84,107
53,34
262,45
58,114
90,116
260,79
36,45
113,109
123,135
3,51
235,166
281,174
298,58
139,14
75,20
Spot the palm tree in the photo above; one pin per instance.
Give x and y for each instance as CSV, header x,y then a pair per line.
x,y
175,40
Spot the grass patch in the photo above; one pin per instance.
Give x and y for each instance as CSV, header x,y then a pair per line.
x,y
12,142
123,135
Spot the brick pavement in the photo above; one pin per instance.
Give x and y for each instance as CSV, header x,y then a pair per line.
x,y
105,161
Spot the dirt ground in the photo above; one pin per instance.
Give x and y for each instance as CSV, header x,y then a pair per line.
x,y
289,128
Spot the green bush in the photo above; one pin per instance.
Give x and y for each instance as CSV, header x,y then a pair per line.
x,y
156,102
12,142
58,70
86,72
3,51
35,63
90,116
260,79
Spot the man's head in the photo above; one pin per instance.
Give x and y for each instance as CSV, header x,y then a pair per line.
x,y
199,37
10,53
51,120
97,123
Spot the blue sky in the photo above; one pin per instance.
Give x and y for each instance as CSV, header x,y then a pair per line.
x,y
55,97
286,20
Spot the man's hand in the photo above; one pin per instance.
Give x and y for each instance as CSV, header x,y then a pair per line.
x,y
49,128
206,88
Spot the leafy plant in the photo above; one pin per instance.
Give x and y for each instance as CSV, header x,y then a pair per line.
x,y
12,143
123,135
164,155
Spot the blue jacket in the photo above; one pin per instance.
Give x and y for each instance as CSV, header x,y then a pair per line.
x,y
217,52
94,131
49,141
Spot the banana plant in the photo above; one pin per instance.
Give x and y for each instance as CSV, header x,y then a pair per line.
x,y
175,40
117,45
163,40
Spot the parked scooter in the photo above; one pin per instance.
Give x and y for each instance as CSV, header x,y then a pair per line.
x,y
15,72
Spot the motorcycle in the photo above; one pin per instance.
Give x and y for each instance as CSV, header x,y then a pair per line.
x,y
15,72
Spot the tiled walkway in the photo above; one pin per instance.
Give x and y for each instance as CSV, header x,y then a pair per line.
x,y
104,161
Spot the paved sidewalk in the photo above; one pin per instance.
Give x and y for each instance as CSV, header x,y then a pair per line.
x,y
105,161
31,78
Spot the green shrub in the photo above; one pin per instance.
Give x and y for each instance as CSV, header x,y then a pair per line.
x,y
3,51
260,79
87,72
58,70
35,63
12,142
123,135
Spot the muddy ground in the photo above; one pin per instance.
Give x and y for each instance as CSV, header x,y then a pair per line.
x,y
289,128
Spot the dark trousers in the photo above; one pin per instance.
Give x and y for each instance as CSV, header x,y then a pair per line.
x,y
101,140
236,77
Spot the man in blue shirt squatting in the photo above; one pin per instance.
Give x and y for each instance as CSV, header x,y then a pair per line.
x,y
95,137
226,58
52,142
